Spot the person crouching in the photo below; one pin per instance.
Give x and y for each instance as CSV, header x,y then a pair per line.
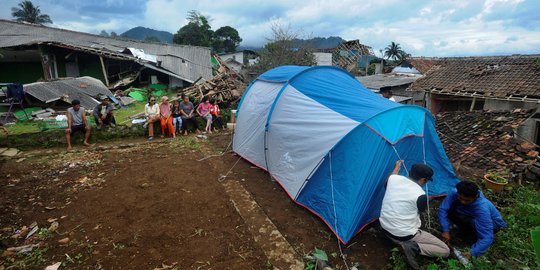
x,y
403,202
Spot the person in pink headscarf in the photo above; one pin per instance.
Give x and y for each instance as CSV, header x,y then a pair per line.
x,y
166,117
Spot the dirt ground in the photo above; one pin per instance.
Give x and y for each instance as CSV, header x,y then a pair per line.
x,y
151,205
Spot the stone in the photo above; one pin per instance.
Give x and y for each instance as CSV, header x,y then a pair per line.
x,y
10,152
532,154
63,241
8,253
527,146
144,185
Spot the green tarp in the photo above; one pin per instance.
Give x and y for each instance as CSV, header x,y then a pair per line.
x,y
20,115
138,96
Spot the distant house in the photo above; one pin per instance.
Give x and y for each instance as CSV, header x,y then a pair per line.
x,y
39,53
348,54
483,83
239,60
233,60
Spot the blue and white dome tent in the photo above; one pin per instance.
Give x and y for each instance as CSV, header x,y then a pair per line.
x,y
331,143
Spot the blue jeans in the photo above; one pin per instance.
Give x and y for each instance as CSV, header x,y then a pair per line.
x,y
179,121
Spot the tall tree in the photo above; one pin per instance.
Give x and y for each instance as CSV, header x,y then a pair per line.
x,y
282,50
393,51
403,55
27,12
226,39
197,32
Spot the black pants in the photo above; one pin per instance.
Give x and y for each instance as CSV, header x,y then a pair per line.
x,y
107,121
191,121
217,122
465,224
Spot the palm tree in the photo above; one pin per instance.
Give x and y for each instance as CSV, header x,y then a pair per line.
x,y
394,51
403,55
27,12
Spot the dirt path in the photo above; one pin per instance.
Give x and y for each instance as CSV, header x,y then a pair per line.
x,y
153,203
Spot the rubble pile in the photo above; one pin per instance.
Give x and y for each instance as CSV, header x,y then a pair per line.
x,y
223,87
486,140
226,86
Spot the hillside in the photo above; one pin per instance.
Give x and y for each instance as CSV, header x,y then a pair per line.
x,y
319,42
315,43
140,33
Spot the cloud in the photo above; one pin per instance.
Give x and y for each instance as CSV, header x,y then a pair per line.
x,y
511,39
429,28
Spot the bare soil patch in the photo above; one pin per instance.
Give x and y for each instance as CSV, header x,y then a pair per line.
x,y
153,204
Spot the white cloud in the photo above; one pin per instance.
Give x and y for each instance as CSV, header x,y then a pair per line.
x,y
431,28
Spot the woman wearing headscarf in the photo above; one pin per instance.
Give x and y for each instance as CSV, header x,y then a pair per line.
x,y
166,117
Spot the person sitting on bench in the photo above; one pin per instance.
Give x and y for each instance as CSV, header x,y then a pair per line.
x,y
103,113
76,119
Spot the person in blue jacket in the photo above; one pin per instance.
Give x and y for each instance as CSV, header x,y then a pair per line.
x,y
468,209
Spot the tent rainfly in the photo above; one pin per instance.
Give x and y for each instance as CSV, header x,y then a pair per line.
x,y
331,143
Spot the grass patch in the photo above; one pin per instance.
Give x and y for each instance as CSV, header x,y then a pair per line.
x,y
122,115
187,142
31,260
21,127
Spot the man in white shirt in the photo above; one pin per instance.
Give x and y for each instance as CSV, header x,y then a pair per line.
x,y
403,202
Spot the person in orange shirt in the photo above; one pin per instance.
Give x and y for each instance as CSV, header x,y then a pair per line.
x,y
217,122
166,117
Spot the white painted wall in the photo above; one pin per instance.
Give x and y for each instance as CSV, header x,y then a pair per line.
x,y
323,59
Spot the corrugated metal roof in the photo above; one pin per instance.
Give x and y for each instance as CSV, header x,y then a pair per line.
x,y
189,62
85,89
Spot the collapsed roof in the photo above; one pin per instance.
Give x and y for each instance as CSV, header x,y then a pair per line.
x,y
486,139
378,81
85,89
188,63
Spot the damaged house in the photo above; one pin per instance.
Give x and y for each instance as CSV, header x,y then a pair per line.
x,y
495,83
35,53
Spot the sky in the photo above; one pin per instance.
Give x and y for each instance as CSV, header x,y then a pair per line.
x,y
422,28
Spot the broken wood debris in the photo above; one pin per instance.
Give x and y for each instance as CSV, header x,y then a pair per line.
x,y
226,86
